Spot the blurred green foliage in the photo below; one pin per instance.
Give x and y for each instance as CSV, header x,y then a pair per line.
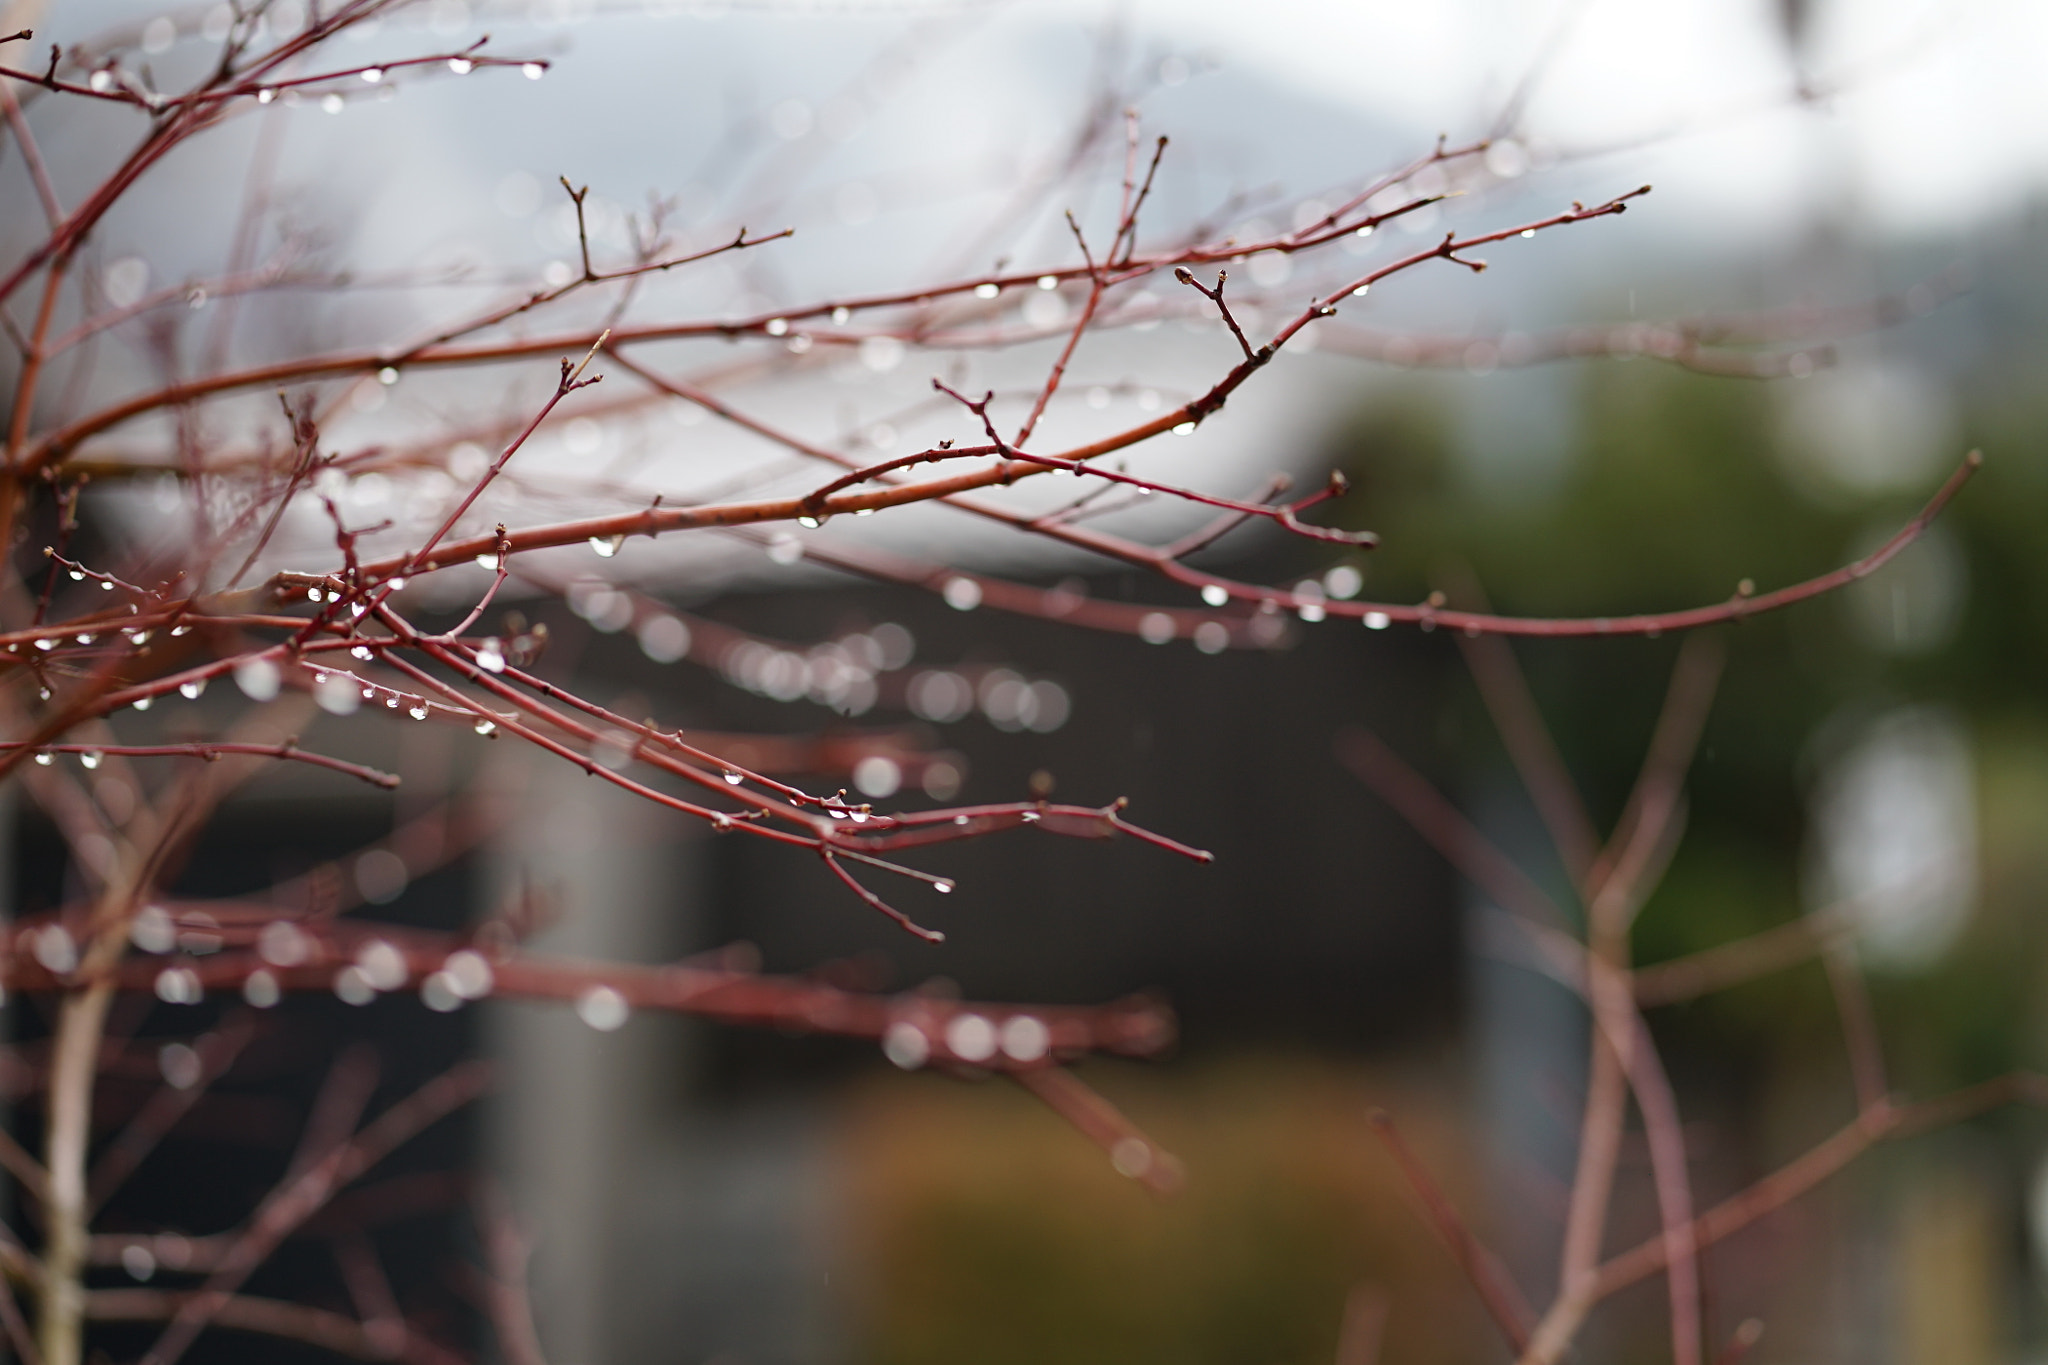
x,y
985,1239
1677,487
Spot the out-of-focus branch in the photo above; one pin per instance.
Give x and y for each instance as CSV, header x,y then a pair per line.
x,y
1132,1152
1504,1302
506,1251
216,1052
297,1322
1444,826
301,1197
1138,1027
1803,1173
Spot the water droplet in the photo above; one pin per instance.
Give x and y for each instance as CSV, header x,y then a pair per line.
x,y
314,595
261,989
181,630
44,760
1528,232
732,777
841,314
418,712
1030,817
265,96
663,638
1361,291
461,66
485,727
331,104
777,327
90,758
1215,595
1377,620
490,656
55,950
1026,1038
971,1038
335,694
373,75
959,819
178,986
533,71
77,576
438,994
353,987
878,776
152,930
905,1045
987,290
603,1008
962,594
259,679
1310,612
1365,231
383,966
1155,628
1184,429
809,523
362,652
489,561
606,546
283,944
469,973
106,586
944,888
46,644
396,585
137,1261
179,1065
1132,1156
1048,281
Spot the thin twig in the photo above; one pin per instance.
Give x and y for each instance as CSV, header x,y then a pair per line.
x,y
217,1052
1444,826
1504,1302
1505,690
511,1307
1130,1149
1859,1025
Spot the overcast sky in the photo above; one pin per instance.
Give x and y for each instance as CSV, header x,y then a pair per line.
x,y
1941,123
1944,115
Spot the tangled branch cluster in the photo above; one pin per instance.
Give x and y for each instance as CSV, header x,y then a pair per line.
x,y
94,629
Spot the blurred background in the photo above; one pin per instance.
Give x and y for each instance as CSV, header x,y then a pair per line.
x,y
1853,190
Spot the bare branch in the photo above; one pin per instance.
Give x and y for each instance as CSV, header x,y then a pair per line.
x,y
1503,1301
